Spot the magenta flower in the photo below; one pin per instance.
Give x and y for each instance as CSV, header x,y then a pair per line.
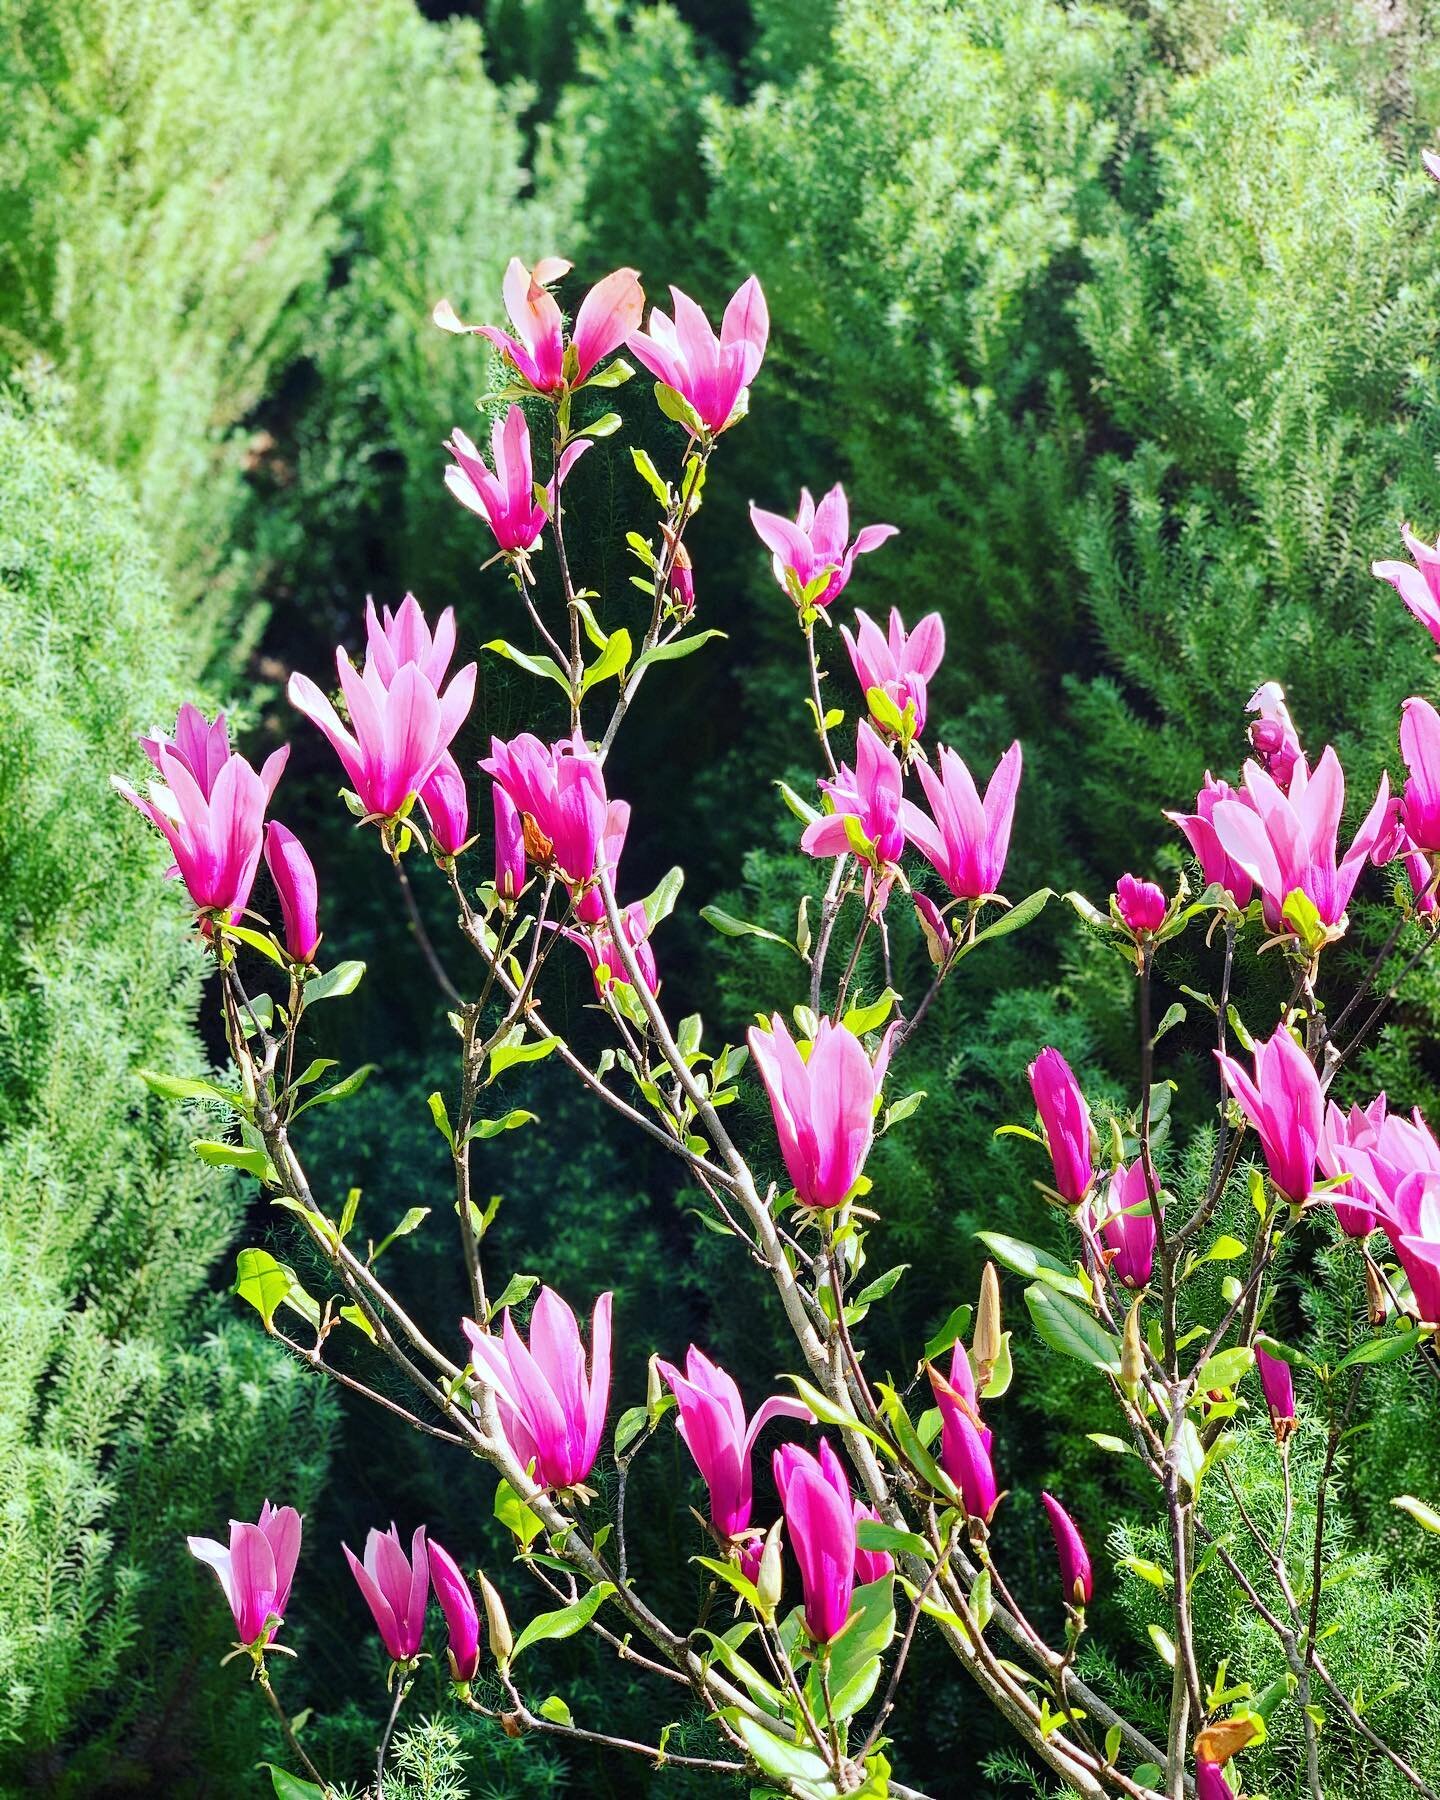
x,y
714,1429
870,794
504,496
1417,586
446,807
209,806
1279,1388
255,1569
824,1109
509,845
934,928
1127,1228
1077,1583
1350,1146
711,374
1217,867
1273,736
462,1620
395,1587
1065,1119
294,876
1210,1782
899,663
1141,905
591,905
815,546
1283,1103
1420,1258
607,315
551,1410
967,840
393,639
820,1523
965,1444
560,789
680,583
870,1565
1422,881
604,957
1288,843
1420,801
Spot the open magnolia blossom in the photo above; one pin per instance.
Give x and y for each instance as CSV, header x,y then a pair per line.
x,y
1169,1201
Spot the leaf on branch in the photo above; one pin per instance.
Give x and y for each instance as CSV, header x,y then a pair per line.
x,y
516,1290
335,983
1019,915
512,1512
565,1621
1073,1332
730,926
514,1048
1033,1264
341,1090
674,648
416,1216
192,1087
545,668
248,1157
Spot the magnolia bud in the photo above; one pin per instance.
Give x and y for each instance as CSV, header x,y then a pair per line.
x,y
501,1642
988,1341
1132,1351
770,1578
654,1390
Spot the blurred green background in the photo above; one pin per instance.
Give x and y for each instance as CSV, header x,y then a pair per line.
x,y
1125,315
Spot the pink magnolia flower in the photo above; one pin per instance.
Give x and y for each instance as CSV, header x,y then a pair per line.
x,y
1210,1782
393,639
395,1587
294,876
934,928
714,1429
711,374
1065,1119
607,315
1278,1385
598,943
1141,904
967,840
1348,1146
680,584
591,905
871,795
462,1619
446,807
965,1444
1418,585
1217,867
824,1108
899,663
1273,736
255,1569
505,496
815,544
551,1410
1420,801
209,806
820,1523
1077,1583
560,789
1283,1103
870,1565
1127,1232
509,845
1288,843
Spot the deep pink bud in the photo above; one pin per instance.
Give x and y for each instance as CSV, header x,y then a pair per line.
x,y
1273,736
1065,1119
395,1588
446,806
1127,1225
209,806
871,794
967,840
939,938
751,1553
604,957
1417,586
870,1565
816,544
711,374
1076,1581
1142,906
1420,746
713,1427
1283,1103
462,1619
899,663
551,1410
256,1568
1210,1782
824,1109
965,1444
294,876
1279,1388
509,845
820,1524
1217,867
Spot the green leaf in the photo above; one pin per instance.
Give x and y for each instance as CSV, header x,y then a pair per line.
x,y
565,1621
659,903
340,1090
611,661
879,1287
1385,1347
1107,1441
517,1518
949,1333
1071,1331
252,1160
629,1426
356,1317
516,1049
1033,1264
1001,1374
861,1019
605,426
873,1534
440,1113
674,648
261,1282
545,668
785,1762
675,406
855,1654
416,1216
828,1413
730,1574
651,476
613,375
517,1289
512,1121
1147,1571
335,983
1174,1015
257,940
1424,1516
556,1710
191,1087
732,927
802,809
903,1107
1019,915
291,1787
1226,1368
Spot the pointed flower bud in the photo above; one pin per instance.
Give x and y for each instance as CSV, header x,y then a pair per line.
x,y
461,1618
1076,1581
496,1622
395,1588
989,1339
1283,1103
1141,905
1065,1119
710,373
255,1569
1279,1388
294,876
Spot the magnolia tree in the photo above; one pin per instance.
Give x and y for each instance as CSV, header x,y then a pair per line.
x,y
888,1482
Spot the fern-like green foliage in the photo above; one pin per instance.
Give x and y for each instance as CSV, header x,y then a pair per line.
x,y
130,1414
